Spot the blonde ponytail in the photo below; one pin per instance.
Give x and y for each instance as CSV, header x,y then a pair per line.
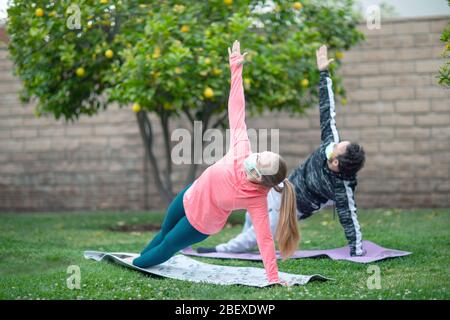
x,y
287,233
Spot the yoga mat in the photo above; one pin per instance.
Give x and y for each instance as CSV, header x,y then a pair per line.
x,y
184,268
374,253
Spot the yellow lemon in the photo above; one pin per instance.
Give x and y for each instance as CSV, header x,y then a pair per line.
x,y
228,2
80,72
447,46
136,107
156,53
103,1
167,106
305,83
185,28
208,93
344,101
39,12
178,70
339,55
297,5
52,14
109,53
247,82
216,71
207,61
207,33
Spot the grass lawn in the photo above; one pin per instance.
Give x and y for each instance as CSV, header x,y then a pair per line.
x,y
36,249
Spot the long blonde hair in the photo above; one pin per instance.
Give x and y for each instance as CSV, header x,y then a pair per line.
x,y
287,233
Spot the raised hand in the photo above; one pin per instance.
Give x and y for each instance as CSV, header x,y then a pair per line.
x,y
236,51
322,58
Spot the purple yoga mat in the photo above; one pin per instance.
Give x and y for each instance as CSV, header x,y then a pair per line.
x,y
374,253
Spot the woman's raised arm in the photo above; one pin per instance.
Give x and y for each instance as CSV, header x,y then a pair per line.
x,y
236,100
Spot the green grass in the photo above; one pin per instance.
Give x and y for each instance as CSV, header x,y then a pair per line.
x,y
36,249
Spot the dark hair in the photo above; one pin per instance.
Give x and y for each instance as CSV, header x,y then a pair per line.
x,y
352,160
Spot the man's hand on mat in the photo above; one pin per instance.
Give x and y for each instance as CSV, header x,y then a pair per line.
x,y
206,249
322,58
236,51
353,254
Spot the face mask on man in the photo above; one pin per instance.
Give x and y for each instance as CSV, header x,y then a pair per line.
x,y
329,151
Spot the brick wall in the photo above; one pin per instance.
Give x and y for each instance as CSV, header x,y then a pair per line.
x,y
395,110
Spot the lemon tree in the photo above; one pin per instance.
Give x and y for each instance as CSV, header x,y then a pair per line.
x,y
169,58
444,71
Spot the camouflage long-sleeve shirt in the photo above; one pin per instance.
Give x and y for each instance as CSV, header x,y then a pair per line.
x,y
316,185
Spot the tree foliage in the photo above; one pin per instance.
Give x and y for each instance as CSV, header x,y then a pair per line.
x,y
169,58
167,54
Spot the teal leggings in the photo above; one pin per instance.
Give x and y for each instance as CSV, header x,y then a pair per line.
x,y
176,234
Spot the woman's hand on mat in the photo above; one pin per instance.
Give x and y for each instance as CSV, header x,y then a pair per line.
x,y
322,58
284,283
236,52
281,282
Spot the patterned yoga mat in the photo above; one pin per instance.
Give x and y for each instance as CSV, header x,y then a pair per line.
x,y
184,268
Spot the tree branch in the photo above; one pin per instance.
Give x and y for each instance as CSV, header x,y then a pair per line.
x,y
164,117
147,138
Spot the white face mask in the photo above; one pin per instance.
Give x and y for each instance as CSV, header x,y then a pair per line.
x,y
329,151
250,165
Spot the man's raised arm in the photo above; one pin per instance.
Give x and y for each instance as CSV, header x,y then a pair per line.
x,y
326,100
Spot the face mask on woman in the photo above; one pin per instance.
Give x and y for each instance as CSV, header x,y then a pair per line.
x,y
250,164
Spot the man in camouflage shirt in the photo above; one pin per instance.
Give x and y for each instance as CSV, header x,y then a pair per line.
x,y
327,177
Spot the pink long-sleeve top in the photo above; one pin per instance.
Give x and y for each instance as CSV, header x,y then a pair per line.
x,y
224,187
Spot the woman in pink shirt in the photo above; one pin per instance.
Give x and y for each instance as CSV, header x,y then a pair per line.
x,y
240,180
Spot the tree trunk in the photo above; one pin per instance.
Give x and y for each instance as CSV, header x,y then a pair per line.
x,y
162,178
145,129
